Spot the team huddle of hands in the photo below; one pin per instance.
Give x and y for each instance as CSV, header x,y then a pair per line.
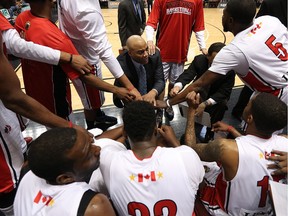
x,y
194,102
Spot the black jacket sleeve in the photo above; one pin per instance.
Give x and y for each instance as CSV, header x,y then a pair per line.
x,y
159,83
221,89
198,66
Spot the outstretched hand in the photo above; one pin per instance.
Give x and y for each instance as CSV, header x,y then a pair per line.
x,y
80,64
174,91
280,162
124,94
150,98
168,135
193,100
136,94
220,126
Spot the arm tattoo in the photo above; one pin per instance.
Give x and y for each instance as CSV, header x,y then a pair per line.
x,y
209,152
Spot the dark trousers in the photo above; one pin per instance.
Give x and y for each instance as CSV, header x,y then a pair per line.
x,y
149,6
243,100
216,112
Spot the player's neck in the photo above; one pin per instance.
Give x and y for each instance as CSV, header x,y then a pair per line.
x,y
257,133
240,27
41,11
144,149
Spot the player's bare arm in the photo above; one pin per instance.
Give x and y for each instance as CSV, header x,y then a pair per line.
x,y
98,83
99,205
128,85
16,100
206,79
221,126
224,151
193,101
79,63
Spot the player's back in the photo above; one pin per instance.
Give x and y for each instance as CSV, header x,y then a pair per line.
x,y
247,192
36,197
165,182
268,57
249,188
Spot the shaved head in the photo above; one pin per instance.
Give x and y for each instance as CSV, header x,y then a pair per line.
x,y
134,42
137,49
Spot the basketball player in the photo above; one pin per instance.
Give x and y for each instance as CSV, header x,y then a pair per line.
x,y
56,184
12,145
83,22
51,87
23,49
240,185
141,179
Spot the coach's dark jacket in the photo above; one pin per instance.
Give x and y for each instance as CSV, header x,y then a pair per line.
x,y
154,73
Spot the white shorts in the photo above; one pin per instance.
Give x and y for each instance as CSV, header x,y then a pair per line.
x,y
91,97
172,71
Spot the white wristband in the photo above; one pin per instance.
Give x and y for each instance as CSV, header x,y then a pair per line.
x,y
167,103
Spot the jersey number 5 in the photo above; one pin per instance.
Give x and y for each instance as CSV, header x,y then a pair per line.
x,y
157,210
277,48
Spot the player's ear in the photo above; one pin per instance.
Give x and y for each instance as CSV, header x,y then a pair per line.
x,y
129,52
249,119
65,178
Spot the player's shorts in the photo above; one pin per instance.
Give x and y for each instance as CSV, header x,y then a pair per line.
x,y
172,71
91,97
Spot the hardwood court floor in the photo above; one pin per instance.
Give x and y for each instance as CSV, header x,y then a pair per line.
x,y
213,33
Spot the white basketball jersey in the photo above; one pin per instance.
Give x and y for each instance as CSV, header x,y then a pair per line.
x,y
159,185
265,46
247,193
12,147
36,197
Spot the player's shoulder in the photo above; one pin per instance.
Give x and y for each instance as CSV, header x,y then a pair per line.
x,y
24,14
224,146
99,205
183,149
